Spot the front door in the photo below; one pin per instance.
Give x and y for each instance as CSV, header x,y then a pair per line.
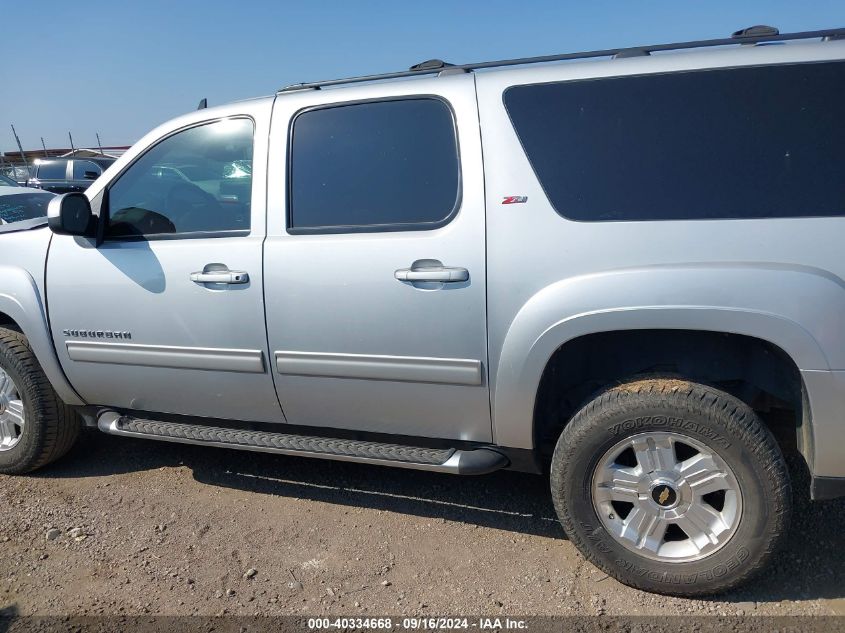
x,y
167,314
375,259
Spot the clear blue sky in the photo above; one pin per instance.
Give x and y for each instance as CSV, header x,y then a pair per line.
x,y
120,67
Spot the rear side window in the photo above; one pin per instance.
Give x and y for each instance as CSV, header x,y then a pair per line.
x,y
388,165
52,171
761,142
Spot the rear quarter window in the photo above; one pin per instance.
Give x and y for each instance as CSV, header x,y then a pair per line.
x,y
758,142
85,168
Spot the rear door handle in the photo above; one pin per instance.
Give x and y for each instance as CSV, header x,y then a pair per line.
x,y
220,277
441,274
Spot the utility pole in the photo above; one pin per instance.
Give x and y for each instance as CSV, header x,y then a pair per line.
x,y
72,148
45,148
100,145
23,156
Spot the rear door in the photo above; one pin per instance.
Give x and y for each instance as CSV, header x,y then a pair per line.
x,y
375,261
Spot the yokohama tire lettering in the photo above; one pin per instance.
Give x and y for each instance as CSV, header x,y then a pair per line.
x,y
687,579
671,422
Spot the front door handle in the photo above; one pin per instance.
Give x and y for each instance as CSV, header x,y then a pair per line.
x,y
220,277
437,274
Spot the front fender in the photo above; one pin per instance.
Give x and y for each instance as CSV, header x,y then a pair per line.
x,y
21,301
799,309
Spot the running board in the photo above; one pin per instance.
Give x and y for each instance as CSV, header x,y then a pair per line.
x,y
447,460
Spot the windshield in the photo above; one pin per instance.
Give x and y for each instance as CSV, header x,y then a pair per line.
x,y
23,206
5,180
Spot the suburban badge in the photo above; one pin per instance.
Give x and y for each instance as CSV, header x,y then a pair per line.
x,y
122,334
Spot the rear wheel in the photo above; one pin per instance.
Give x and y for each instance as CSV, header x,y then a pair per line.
x,y
36,427
672,487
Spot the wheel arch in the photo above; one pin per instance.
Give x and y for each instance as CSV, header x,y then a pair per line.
x,y
21,306
665,299
755,371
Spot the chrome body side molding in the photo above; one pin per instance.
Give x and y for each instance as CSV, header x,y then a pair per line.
x,y
210,359
453,371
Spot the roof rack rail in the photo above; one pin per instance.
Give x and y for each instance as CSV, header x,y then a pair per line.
x,y
751,35
758,29
430,65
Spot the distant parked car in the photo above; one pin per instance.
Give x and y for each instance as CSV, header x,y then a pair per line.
x,y
22,204
19,174
63,175
238,169
168,173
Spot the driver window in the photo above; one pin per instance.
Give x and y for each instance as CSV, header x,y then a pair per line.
x,y
198,180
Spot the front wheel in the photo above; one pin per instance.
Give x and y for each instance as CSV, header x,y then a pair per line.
x,y
671,486
36,427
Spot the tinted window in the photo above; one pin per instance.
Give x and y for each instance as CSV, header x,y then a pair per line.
x,y
103,163
390,164
184,184
23,206
52,171
739,143
80,167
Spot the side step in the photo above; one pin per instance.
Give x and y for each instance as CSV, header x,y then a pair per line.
x,y
448,460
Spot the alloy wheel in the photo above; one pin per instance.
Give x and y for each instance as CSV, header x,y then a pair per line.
x,y
12,413
667,497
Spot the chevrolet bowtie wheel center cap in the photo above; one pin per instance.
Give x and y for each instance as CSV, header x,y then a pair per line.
x,y
664,495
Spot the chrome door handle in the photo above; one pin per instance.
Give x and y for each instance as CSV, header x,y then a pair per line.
x,y
441,274
220,277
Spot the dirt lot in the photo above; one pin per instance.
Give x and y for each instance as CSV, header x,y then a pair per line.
x,y
146,527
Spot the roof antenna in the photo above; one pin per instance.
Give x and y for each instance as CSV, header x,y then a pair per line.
x,y
203,104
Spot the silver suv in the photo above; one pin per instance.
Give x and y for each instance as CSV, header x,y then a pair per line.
x,y
625,270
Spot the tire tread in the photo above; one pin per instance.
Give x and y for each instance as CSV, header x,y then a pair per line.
x,y
58,424
739,420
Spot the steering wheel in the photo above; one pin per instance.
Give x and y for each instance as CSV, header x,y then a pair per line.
x,y
190,208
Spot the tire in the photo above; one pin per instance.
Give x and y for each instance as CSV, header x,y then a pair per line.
x,y
725,441
50,428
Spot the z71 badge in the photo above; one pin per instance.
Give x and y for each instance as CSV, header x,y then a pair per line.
x,y
515,199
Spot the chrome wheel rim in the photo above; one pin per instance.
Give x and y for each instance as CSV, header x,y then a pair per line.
x,y
12,414
667,497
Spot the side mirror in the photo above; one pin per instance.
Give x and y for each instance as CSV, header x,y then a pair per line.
x,y
70,214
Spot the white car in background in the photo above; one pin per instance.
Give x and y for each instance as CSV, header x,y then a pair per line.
x,y
23,204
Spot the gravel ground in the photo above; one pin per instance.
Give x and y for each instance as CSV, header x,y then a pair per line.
x,y
138,527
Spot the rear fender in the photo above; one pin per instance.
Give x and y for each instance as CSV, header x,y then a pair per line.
x,y
799,309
